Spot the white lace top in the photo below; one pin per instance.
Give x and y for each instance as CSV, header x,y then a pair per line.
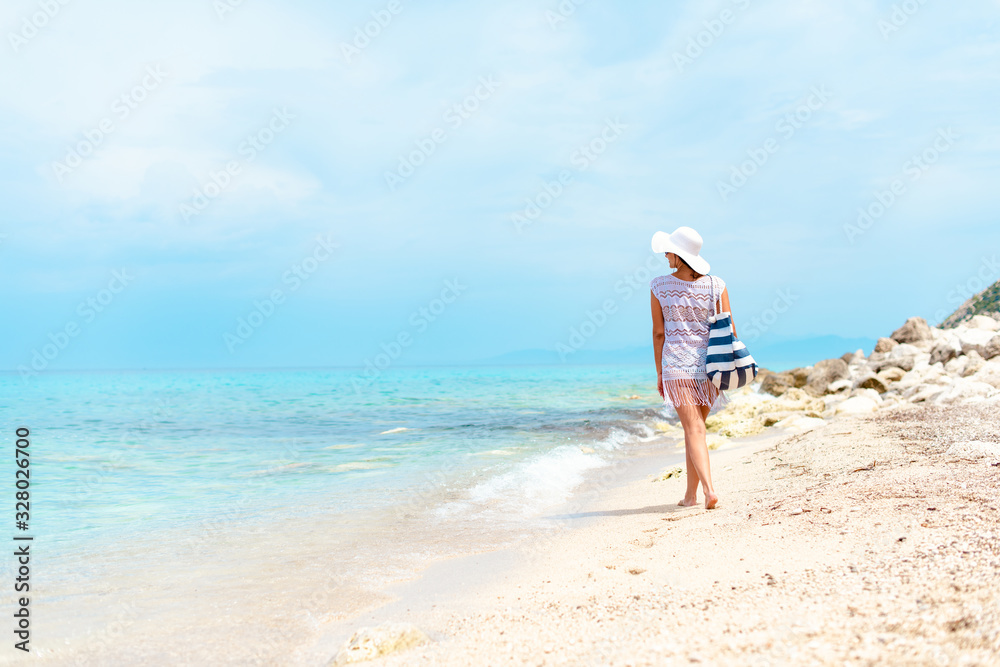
x,y
686,309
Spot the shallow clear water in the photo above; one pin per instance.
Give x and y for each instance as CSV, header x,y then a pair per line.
x,y
113,453
171,499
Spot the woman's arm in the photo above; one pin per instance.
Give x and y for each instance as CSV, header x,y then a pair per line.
x,y
727,309
658,338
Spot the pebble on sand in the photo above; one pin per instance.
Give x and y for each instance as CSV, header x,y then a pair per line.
x,y
676,471
975,449
370,643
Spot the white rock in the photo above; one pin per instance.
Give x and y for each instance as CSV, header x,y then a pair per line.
x,y
839,386
923,362
957,366
799,423
974,339
966,391
984,322
989,373
946,348
370,643
891,375
936,375
871,381
868,393
904,356
832,400
857,405
992,350
975,449
904,350
974,363
924,392
911,379
885,344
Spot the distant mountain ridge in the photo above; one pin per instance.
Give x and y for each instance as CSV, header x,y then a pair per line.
x,y
778,355
986,303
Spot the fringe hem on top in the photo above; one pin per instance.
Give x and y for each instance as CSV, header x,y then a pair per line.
x,y
688,391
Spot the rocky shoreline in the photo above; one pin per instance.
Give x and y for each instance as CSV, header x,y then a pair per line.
x,y
874,476
858,528
870,540
917,364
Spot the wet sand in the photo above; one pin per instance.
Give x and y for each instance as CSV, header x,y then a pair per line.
x,y
861,542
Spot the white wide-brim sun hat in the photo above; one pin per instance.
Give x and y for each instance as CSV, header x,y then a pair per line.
x,y
686,244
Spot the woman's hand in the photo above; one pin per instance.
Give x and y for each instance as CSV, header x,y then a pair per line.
x,y
658,340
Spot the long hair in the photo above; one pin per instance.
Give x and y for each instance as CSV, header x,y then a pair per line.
x,y
681,260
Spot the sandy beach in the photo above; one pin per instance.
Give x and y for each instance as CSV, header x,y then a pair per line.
x,y
862,542
858,524
382,333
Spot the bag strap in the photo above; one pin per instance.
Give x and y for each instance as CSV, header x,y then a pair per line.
x,y
715,311
720,301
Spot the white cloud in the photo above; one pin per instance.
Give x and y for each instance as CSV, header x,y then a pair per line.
x,y
686,129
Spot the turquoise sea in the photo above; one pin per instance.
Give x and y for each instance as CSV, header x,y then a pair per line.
x,y
160,488
113,452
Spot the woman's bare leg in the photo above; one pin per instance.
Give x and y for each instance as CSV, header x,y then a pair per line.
x,y
695,445
691,493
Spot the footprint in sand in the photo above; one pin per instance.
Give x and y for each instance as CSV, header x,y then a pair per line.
x,y
645,541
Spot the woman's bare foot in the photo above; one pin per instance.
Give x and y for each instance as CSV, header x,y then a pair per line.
x,y
710,501
684,502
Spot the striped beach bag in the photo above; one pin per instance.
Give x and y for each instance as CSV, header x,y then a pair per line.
x,y
728,362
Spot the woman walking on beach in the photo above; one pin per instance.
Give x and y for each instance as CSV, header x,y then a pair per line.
x,y
681,304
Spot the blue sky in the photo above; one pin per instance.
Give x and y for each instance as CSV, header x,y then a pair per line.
x,y
219,156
